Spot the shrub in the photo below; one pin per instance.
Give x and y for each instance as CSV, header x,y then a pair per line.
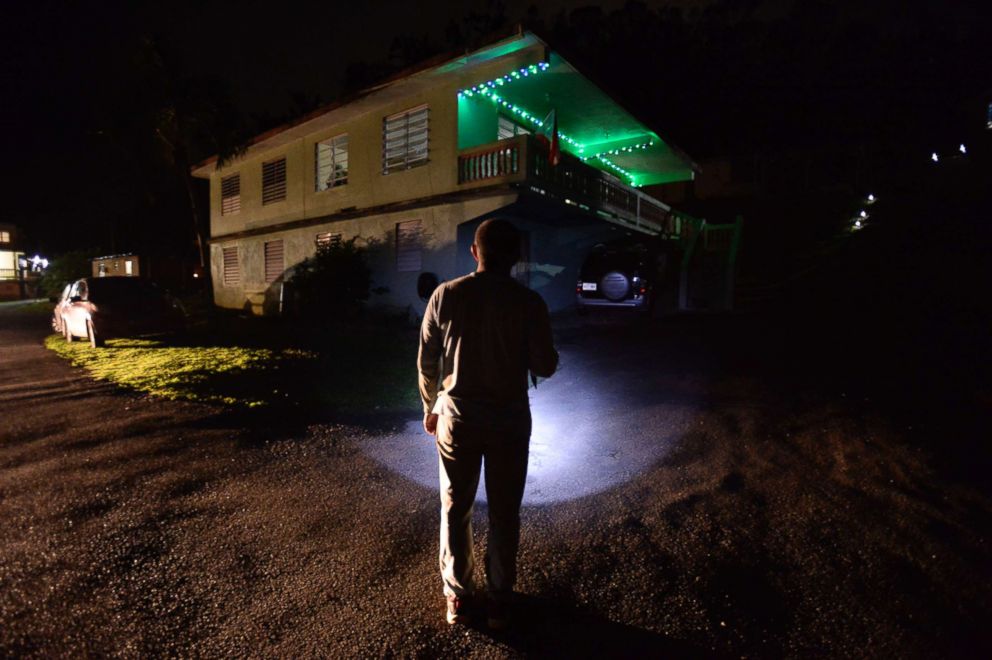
x,y
334,282
64,269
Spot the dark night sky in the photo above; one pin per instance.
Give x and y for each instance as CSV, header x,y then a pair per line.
x,y
65,64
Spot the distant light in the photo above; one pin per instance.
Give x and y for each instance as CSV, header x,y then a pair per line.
x,y
22,262
962,149
863,214
934,157
857,224
871,198
196,275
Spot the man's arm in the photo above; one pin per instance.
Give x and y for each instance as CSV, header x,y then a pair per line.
x,y
542,358
429,358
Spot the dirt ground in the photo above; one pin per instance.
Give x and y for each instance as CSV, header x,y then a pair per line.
x,y
786,514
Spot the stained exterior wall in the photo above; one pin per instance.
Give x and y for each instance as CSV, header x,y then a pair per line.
x,y
439,254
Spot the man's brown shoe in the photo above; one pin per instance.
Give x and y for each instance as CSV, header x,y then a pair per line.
x,y
457,610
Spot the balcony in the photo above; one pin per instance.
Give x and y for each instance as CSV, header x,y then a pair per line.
x,y
522,162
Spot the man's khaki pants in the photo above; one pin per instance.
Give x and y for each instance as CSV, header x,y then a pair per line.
x,y
462,450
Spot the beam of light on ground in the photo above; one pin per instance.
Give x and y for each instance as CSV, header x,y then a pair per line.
x,y
583,440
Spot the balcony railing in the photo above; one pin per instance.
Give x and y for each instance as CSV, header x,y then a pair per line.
x,y
10,274
521,160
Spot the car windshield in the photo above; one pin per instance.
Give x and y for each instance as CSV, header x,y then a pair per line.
x,y
121,288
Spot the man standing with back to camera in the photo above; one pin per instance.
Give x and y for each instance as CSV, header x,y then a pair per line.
x,y
481,335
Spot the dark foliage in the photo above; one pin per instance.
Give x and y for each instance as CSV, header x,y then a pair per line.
x,y
333,283
64,269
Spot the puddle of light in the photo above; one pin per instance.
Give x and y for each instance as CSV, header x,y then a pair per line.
x,y
577,449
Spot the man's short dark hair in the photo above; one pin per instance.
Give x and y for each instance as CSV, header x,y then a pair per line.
x,y
498,243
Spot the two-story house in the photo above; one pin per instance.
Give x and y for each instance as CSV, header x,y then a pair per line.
x,y
412,166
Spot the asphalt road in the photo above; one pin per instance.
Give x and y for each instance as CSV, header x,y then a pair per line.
x,y
685,499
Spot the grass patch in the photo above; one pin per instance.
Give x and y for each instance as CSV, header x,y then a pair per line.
x,y
359,368
195,373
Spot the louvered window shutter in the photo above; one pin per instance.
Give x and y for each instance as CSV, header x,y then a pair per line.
x,y
273,260
232,268
274,181
230,194
405,139
328,239
408,246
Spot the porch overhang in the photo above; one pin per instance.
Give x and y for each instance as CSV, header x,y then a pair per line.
x,y
591,124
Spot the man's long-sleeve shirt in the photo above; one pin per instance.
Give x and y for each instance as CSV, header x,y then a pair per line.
x,y
481,335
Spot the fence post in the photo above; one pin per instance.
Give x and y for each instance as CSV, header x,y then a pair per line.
x,y
686,260
735,242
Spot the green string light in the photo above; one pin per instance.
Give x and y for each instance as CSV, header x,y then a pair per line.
x,y
621,150
609,163
488,90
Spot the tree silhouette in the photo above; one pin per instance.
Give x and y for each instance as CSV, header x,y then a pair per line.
x,y
186,117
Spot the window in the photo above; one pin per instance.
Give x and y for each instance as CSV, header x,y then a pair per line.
x,y
4,237
232,268
129,267
408,246
273,260
404,140
274,181
230,194
328,239
509,128
331,163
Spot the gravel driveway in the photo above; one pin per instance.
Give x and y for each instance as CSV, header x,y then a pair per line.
x,y
680,503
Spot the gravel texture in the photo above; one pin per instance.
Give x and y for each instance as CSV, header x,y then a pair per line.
x,y
777,519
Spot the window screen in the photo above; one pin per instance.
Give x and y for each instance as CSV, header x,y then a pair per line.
x,y
408,246
404,139
230,194
328,239
509,128
273,260
331,163
274,181
232,268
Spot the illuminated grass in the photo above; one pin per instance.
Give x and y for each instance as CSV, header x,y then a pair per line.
x,y
347,369
215,374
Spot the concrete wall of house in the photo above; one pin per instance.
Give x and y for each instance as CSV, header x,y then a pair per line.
x,y
367,188
377,232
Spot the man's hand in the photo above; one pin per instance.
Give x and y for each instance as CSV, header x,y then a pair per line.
x,y
430,423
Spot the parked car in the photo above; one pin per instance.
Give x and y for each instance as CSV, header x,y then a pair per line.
x,y
103,307
626,273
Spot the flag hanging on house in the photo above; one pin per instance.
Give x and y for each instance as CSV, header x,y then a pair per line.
x,y
549,133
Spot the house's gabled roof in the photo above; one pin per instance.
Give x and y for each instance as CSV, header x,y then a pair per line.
x,y
593,125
